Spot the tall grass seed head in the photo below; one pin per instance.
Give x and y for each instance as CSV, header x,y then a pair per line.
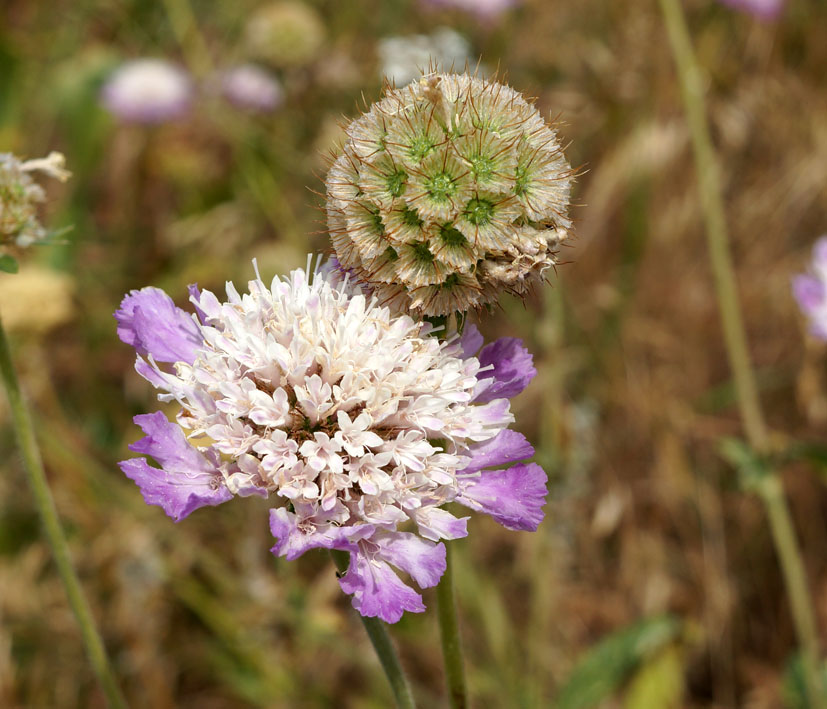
x,y
448,192
20,195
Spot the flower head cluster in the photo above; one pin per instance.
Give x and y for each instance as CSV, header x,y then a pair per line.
x,y
20,195
447,192
810,290
353,420
148,91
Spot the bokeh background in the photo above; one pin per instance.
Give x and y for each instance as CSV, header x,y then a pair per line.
x,y
653,581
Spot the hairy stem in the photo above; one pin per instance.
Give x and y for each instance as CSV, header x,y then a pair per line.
x,y
449,633
749,405
381,642
55,536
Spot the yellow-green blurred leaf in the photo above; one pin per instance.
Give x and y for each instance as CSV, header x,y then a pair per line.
x,y
658,683
607,666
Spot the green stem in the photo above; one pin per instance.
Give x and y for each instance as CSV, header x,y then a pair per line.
x,y
709,187
55,536
770,492
449,633
381,642
188,35
795,579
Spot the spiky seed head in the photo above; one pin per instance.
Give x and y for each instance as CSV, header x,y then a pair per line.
x,y
20,195
448,192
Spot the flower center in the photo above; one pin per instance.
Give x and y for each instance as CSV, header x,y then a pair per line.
x,y
396,183
441,186
479,211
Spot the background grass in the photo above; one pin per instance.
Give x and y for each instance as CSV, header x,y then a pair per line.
x,y
645,521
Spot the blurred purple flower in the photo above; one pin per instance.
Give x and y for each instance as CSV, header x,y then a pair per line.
x,y
810,290
147,91
484,9
251,88
763,9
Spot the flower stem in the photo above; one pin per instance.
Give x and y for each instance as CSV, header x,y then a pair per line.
x,y
449,633
381,642
55,536
749,405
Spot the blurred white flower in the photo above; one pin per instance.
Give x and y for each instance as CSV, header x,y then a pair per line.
x,y
251,88
148,91
404,59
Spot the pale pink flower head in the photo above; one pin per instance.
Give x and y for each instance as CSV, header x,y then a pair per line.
x,y
251,88
148,91
763,9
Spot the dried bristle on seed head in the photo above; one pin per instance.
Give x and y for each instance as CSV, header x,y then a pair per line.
x,y
448,192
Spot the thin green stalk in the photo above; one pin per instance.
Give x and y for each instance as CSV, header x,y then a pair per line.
x,y
770,492
449,633
185,27
55,536
709,187
381,642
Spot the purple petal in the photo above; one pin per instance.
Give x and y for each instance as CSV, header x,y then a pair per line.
x,y
470,341
292,542
377,590
195,296
148,372
808,291
424,561
513,369
150,322
514,496
186,480
506,447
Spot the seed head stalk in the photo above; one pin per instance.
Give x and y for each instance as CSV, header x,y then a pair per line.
x,y
383,645
769,489
55,535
